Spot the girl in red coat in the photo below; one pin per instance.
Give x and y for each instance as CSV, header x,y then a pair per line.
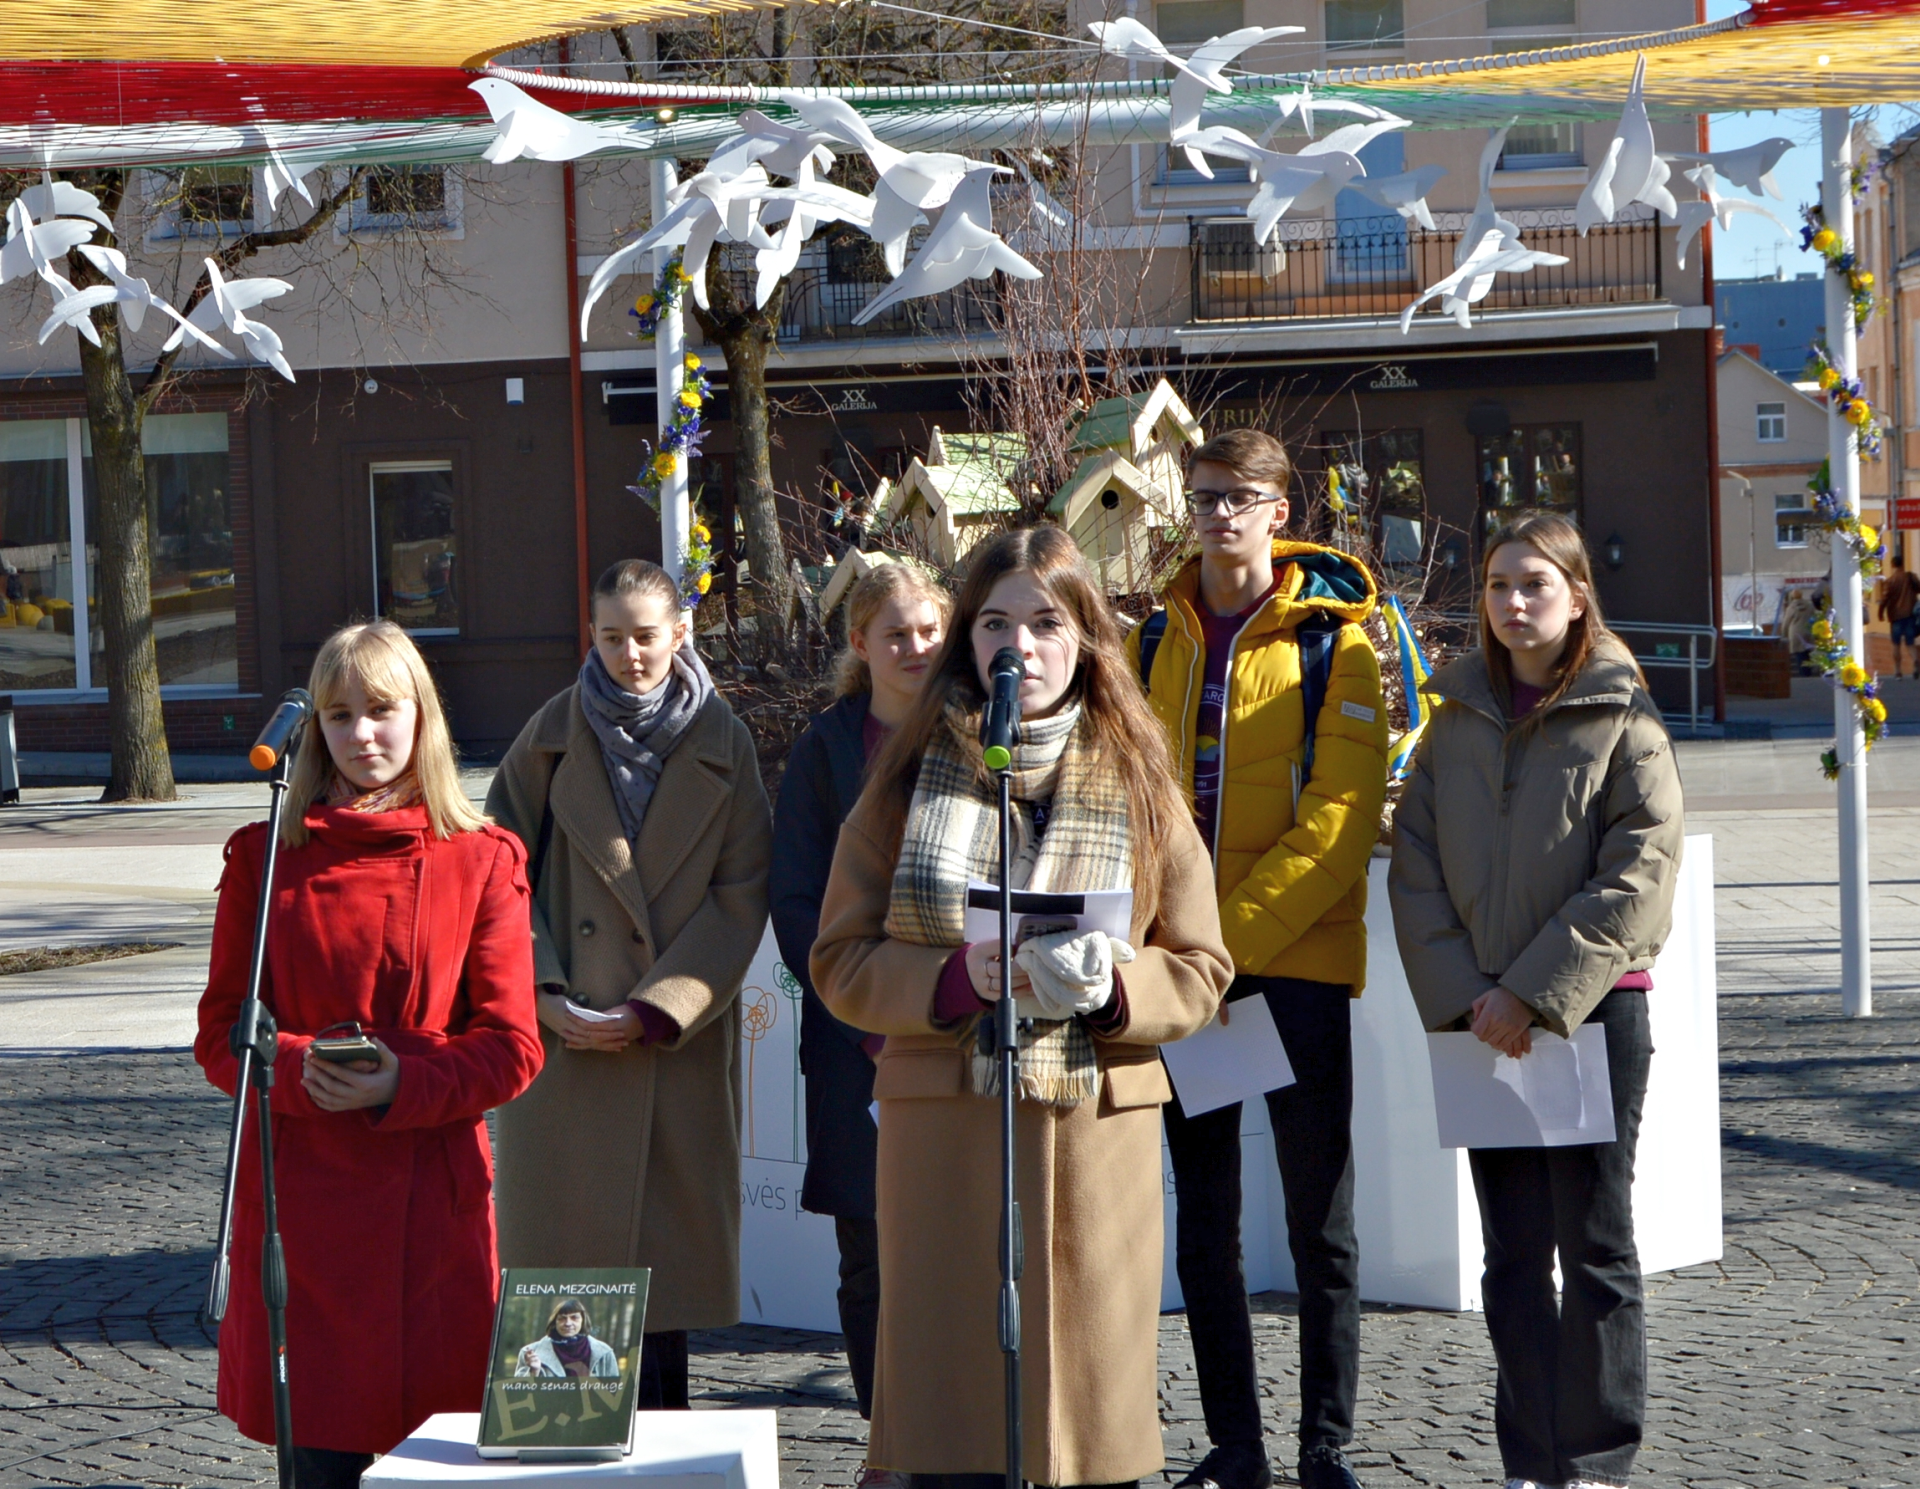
x,y
397,905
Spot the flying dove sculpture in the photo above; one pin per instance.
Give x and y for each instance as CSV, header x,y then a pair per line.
x,y
1631,171
1496,252
1485,219
1129,39
779,148
1711,208
53,198
31,247
1750,167
962,246
1204,72
1405,193
530,129
804,205
225,305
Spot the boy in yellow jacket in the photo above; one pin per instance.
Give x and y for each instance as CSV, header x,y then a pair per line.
x,y
1258,633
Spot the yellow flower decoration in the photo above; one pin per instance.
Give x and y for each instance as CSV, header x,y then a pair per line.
x,y
1824,239
643,304
1858,411
1877,710
1869,537
700,533
664,464
689,398
693,363
1863,280
704,583
1829,379
1852,675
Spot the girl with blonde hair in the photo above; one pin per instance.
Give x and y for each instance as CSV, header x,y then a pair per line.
x,y
1096,808
1535,855
398,908
896,616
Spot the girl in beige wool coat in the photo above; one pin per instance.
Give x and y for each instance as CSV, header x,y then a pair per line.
x,y
1097,808
638,796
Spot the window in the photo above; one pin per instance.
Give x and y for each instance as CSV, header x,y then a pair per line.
x,y
423,198
1367,243
1384,475
1365,24
1530,13
1183,24
202,201
50,552
414,577
1533,467
1772,421
1553,144
1790,519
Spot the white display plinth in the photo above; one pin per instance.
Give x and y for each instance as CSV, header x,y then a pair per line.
x,y
671,1450
1414,1206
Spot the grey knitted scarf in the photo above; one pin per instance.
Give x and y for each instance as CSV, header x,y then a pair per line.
x,y
637,731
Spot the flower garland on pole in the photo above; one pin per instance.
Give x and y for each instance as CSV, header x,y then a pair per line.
x,y
680,441
1869,545
1831,654
662,300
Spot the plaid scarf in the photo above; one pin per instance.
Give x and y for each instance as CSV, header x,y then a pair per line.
x,y
404,791
1071,833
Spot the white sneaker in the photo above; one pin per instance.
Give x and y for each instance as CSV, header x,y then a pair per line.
x,y
1592,1484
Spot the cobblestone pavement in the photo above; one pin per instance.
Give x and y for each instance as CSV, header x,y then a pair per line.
x,y
1793,1362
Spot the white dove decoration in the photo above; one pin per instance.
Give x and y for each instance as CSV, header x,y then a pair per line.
x,y
1131,40
1631,171
1750,167
1496,252
1203,72
780,148
31,246
962,246
1485,219
53,198
1405,193
75,307
805,204
1714,208
530,129
226,305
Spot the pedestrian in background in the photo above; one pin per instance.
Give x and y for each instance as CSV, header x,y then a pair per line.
x,y
1269,691
1899,594
896,617
396,906
637,793
1096,808
1535,855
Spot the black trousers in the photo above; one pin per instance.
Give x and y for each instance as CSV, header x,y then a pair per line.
x,y
1313,1138
328,1468
859,1298
1571,1401
663,1372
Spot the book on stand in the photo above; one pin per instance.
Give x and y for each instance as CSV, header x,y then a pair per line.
x,y
565,1365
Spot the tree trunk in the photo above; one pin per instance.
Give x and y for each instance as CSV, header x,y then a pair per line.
x,y
141,769
745,336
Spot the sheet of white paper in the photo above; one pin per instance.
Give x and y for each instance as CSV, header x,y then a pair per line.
x,y
1555,1096
1235,1061
591,1015
1109,910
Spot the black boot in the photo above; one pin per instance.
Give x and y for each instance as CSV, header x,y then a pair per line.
x,y
1324,1466
1233,1465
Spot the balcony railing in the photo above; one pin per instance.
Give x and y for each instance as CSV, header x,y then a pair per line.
x,y
835,280
1366,267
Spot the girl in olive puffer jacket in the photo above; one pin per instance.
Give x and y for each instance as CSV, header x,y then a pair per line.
x,y
1535,855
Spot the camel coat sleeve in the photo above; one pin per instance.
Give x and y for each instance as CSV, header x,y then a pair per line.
x,y
884,986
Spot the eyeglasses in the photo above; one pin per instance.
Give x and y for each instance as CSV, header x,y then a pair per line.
x,y
1233,503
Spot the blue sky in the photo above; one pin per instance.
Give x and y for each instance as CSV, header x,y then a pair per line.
x,y
1754,246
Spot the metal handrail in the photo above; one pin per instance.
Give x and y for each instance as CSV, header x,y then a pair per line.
x,y
1693,661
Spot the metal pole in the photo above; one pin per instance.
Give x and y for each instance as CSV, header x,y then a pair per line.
x,y
670,375
1843,463
1007,1054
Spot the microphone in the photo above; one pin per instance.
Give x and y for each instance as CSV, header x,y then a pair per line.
x,y
1000,726
294,709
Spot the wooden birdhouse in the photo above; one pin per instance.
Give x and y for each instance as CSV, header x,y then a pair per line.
x,y
1106,508
956,494
1154,431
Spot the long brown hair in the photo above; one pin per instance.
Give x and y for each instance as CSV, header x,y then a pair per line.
x,y
382,659
877,586
1560,543
1116,723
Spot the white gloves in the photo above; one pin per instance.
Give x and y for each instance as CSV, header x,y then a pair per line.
x,y
1071,972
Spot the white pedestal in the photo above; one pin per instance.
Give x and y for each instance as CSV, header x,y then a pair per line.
x,y
671,1450
1414,1206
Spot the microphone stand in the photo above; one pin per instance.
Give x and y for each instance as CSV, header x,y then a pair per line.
x,y
1006,1048
255,1041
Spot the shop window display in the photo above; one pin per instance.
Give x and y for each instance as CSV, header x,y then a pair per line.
x,y
414,550
1386,471
37,617
1533,467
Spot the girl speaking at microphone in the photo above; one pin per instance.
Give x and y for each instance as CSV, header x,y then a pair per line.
x,y
397,907
1095,808
1534,860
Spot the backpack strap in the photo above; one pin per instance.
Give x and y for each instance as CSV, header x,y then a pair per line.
x,y
1315,637
1152,629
